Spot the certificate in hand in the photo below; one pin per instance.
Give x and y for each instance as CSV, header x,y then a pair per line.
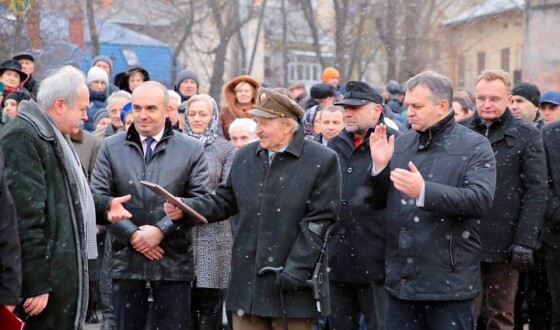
x,y
188,211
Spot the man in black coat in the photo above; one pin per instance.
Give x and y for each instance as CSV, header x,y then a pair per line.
x,y
27,62
435,181
357,240
550,235
148,248
10,251
509,232
286,192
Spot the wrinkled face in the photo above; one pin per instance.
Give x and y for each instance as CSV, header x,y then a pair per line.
x,y
244,94
550,112
199,115
115,108
11,108
98,86
522,108
188,87
460,112
332,123
492,99
10,78
27,66
148,110
71,117
173,110
423,113
274,133
240,136
105,66
134,80
361,118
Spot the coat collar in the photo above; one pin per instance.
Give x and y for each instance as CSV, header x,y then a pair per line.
x,y
294,148
30,112
440,128
133,136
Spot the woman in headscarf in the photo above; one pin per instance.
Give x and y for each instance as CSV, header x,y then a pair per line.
x,y
212,242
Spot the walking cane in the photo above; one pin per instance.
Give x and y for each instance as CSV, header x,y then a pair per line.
x,y
277,271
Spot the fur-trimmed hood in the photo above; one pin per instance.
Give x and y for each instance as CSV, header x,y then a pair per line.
x,y
229,95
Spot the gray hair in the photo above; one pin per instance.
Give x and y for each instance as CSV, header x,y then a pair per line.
x,y
439,85
174,95
61,83
119,94
247,123
295,124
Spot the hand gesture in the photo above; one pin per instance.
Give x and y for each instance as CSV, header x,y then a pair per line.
x,y
410,182
146,238
381,148
35,305
155,253
117,212
172,211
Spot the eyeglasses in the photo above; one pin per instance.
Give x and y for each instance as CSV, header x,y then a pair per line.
x,y
491,99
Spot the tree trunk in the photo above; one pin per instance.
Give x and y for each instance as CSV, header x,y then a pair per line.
x,y
94,35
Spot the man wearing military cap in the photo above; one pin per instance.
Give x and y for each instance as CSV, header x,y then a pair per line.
x,y
286,192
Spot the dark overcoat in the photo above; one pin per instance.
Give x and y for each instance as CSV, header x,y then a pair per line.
x,y
521,191
433,251
357,240
550,234
50,221
283,211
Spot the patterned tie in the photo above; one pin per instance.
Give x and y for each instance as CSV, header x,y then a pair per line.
x,y
271,155
149,151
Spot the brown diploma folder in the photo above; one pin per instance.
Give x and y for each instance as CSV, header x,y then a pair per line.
x,y
9,321
188,211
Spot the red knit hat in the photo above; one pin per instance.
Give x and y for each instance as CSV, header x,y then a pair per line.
x,y
330,73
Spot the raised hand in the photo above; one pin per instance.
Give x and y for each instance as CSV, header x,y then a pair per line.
x,y
381,148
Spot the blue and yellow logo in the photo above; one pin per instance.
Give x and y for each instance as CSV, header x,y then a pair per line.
x,y
20,7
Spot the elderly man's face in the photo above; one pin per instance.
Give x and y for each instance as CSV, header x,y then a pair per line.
x,y
115,108
148,110
274,133
240,136
188,87
27,66
72,116
173,110
360,119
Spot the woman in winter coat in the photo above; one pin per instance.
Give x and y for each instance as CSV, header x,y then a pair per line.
x,y
213,242
239,94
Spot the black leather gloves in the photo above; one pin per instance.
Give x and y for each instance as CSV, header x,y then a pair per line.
x,y
521,257
286,282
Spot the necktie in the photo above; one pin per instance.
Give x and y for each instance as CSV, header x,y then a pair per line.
x,y
149,151
271,155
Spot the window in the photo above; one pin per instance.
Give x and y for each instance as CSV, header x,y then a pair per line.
x,y
130,57
461,71
481,61
505,59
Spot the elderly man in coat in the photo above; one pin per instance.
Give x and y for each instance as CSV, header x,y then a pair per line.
x,y
435,181
54,206
286,191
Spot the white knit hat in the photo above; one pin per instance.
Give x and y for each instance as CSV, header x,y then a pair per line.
x,y
97,74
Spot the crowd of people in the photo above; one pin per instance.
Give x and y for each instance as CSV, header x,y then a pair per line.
x,y
341,206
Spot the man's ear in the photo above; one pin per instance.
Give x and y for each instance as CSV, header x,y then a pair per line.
x,y
58,105
443,108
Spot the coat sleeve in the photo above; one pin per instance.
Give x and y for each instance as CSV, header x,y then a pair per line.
x,y
10,255
322,212
102,188
25,176
553,207
379,184
535,191
196,186
473,199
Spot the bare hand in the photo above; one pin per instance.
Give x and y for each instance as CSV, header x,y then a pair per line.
x,y
381,149
146,238
172,211
117,212
155,253
410,182
10,307
35,305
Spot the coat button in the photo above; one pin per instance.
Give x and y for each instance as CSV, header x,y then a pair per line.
x,y
403,281
344,202
349,170
403,230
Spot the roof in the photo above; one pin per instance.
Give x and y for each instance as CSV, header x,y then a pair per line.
x,y
488,8
112,33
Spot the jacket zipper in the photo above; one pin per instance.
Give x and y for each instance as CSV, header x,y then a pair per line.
x,y
452,252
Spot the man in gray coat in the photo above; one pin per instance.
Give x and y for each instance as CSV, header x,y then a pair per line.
x,y
148,248
286,192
